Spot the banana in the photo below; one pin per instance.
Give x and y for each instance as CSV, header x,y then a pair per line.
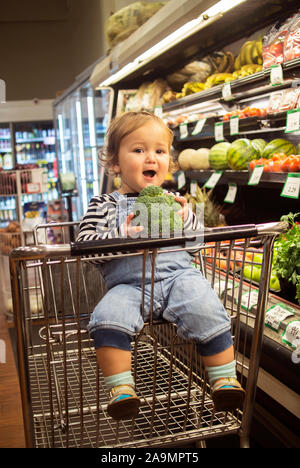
x,y
254,53
237,62
247,52
259,47
242,52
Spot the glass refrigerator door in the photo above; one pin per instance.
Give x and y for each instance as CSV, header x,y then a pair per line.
x,y
93,111
67,146
35,147
7,203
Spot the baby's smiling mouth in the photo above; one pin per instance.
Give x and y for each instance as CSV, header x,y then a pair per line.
x,y
149,173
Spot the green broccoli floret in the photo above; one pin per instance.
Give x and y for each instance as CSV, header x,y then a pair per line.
x,y
162,216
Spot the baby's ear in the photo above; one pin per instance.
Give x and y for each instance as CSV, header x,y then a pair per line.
x,y
116,168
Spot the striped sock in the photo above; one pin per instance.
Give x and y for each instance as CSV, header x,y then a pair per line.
x,y
124,378
218,372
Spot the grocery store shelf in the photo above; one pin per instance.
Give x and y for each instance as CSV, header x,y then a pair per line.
x,y
270,123
241,88
273,179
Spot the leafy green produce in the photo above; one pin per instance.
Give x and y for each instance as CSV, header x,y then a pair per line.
x,y
287,251
162,211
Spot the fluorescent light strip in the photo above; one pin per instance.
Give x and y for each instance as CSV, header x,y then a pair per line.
x,y
81,156
174,38
62,142
91,117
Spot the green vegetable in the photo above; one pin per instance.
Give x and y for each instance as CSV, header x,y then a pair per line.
x,y
287,247
162,212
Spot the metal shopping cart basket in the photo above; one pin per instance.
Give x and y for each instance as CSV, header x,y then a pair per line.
x,y
55,288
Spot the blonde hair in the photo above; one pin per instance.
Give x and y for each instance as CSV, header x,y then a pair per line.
x,y
121,127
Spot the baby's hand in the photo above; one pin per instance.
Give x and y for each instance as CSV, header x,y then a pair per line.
x,y
184,211
131,231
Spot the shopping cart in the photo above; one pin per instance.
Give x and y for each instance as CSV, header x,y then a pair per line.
x,y
64,399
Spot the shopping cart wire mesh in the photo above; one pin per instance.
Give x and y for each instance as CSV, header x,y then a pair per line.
x,y
55,289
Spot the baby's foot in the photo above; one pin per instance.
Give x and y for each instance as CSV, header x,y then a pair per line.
x,y
124,402
227,394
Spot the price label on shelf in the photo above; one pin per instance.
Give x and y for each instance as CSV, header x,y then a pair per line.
x,y
291,334
276,75
183,130
231,194
276,314
193,188
213,180
291,187
33,187
234,125
292,121
219,131
256,175
249,299
223,285
226,92
181,180
199,126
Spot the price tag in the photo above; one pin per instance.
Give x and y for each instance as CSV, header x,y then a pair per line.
x,y
226,92
181,180
183,130
276,314
33,188
256,175
276,75
249,300
291,187
292,121
234,125
158,111
221,286
291,333
219,131
213,180
199,126
193,188
231,194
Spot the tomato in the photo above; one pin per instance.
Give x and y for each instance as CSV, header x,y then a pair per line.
x,y
286,164
276,167
253,163
278,156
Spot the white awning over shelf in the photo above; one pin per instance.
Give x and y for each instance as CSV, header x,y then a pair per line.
x,y
168,19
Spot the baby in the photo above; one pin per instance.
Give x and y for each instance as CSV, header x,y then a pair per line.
x,y
138,150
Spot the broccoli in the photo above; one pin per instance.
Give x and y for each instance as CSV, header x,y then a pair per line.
x,y
162,216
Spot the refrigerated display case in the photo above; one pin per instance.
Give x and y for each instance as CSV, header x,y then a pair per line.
x,y
81,118
27,145
35,144
6,151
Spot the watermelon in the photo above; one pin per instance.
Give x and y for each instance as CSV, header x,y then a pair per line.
x,y
259,144
240,153
298,148
218,156
278,146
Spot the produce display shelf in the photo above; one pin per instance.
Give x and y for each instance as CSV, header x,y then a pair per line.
x,y
242,87
270,123
274,179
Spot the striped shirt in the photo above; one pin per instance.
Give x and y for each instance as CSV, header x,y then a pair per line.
x,y
107,214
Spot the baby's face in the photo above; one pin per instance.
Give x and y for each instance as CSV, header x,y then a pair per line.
x,y
143,158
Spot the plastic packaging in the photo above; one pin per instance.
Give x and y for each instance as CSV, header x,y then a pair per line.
x,y
292,40
273,42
